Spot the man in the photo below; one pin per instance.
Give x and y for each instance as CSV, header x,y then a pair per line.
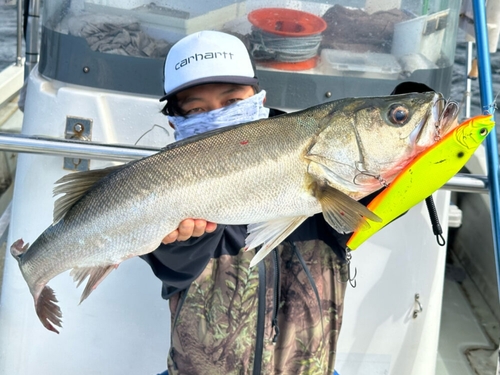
x,y
280,317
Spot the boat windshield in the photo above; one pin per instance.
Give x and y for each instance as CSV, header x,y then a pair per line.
x,y
306,52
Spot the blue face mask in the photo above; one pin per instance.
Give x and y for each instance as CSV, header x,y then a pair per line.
x,y
246,110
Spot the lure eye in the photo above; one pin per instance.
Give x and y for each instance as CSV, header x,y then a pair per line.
x,y
483,132
398,114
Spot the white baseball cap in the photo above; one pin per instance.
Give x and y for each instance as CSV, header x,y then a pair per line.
x,y
207,57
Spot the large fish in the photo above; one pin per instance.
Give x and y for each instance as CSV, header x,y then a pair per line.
x,y
271,174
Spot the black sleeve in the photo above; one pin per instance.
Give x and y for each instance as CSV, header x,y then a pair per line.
x,y
178,264
316,228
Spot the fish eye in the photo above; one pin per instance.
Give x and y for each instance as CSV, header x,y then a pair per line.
x,y
398,114
483,132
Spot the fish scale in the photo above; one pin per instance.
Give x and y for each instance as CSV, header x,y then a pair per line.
x,y
270,174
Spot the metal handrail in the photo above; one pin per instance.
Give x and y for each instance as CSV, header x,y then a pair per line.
x,y
468,183
72,148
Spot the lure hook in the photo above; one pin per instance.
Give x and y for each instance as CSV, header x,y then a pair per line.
x,y
364,172
352,280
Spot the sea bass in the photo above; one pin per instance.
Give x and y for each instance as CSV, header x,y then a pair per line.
x,y
271,174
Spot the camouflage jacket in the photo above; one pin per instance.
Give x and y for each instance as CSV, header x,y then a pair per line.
x,y
280,317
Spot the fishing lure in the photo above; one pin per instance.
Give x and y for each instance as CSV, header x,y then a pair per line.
x,y
426,174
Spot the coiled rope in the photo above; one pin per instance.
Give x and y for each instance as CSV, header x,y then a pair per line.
x,y
267,46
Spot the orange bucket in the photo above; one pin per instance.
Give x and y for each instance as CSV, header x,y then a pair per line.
x,y
287,22
300,65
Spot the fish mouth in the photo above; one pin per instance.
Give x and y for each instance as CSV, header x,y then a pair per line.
x,y
447,117
442,119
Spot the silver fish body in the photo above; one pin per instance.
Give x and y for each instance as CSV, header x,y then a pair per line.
x,y
271,174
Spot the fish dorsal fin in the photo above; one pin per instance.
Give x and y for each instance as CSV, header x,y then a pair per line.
x,y
74,185
96,275
343,213
270,234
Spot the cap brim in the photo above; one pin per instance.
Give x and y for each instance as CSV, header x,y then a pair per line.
x,y
237,80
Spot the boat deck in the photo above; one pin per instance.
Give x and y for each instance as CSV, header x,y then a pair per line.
x,y
469,332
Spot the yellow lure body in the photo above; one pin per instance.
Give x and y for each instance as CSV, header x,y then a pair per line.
x,y
428,172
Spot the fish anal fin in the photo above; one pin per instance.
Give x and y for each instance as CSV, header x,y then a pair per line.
x,y
270,234
47,310
342,212
74,185
95,274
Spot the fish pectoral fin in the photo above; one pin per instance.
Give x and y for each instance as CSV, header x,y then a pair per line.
x,y
270,234
343,213
74,186
96,275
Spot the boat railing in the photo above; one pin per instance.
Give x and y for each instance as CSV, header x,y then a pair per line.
x,y
462,182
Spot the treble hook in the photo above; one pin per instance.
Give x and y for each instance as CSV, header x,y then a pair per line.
x,y
450,106
352,280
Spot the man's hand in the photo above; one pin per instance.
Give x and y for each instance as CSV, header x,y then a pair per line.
x,y
190,228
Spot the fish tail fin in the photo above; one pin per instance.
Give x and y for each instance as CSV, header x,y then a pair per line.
x,y
18,248
47,310
96,275
45,300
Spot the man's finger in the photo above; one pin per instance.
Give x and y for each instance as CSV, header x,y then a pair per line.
x,y
199,227
210,227
186,228
172,237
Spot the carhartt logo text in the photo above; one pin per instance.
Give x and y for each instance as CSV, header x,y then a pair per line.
x,y
203,56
